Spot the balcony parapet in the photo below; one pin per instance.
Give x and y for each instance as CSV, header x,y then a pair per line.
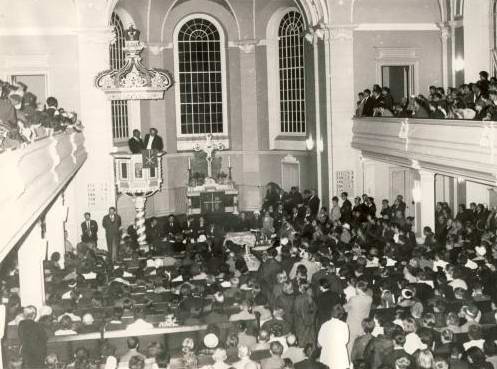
x,y
458,148
31,178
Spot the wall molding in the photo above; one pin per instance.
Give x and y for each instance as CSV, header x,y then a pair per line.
x,y
397,27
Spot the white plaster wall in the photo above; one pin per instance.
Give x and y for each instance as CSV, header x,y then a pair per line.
x,y
476,192
476,38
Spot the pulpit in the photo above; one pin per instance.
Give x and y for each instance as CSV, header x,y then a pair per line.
x,y
206,195
138,176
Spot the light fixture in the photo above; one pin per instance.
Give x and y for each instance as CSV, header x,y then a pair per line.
x,y
309,143
459,64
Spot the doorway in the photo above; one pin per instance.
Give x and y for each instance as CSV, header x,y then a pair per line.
x,y
400,80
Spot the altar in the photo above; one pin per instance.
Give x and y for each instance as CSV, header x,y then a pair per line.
x,y
206,194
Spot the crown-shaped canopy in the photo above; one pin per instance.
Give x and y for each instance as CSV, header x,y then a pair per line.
x,y
133,81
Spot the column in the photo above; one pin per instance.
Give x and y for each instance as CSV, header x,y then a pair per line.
x,y
427,199
31,277
54,234
341,101
444,35
249,116
319,138
95,189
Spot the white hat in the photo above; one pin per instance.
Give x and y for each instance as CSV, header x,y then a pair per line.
x,y
211,341
346,226
284,241
202,238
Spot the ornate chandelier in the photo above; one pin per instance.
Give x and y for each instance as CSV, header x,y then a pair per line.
x,y
133,81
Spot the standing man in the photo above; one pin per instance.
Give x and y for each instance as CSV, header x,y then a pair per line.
x,y
33,339
135,143
314,202
333,338
89,228
112,225
346,209
153,141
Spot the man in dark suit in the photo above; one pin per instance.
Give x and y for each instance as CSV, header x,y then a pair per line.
x,y
325,300
368,109
135,143
89,228
172,228
153,141
112,225
313,203
346,209
33,339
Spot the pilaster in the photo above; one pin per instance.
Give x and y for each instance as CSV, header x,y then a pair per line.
x,y
341,100
54,235
95,182
427,203
445,34
31,277
249,115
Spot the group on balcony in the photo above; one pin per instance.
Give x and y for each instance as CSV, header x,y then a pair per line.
x,y
23,119
473,101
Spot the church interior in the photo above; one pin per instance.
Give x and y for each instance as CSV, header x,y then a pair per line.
x,y
248,184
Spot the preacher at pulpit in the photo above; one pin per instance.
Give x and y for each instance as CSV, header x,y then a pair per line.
x,y
153,141
135,143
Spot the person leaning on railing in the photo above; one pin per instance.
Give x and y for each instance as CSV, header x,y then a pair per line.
x,y
473,101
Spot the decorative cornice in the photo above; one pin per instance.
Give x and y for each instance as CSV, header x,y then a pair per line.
x,y
397,27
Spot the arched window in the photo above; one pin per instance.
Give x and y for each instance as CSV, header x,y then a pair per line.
x,y
291,73
119,108
200,76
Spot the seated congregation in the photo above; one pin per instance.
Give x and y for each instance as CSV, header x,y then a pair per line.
x,y
348,286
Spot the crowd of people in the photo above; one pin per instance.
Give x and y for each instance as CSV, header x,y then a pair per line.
x,y
472,101
346,287
23,118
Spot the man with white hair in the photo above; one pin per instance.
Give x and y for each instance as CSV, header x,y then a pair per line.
x,y
244,355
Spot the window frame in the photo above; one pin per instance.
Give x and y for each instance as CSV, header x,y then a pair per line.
x,y
185,140
120,109
279,140
289,123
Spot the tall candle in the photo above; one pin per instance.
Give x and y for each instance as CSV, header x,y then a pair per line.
x,y
229,161
189,163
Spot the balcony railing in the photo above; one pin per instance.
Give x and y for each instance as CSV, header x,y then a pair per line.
x,y
457,148
30,179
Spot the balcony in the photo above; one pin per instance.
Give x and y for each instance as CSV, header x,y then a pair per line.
x,y
458,148
31,178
